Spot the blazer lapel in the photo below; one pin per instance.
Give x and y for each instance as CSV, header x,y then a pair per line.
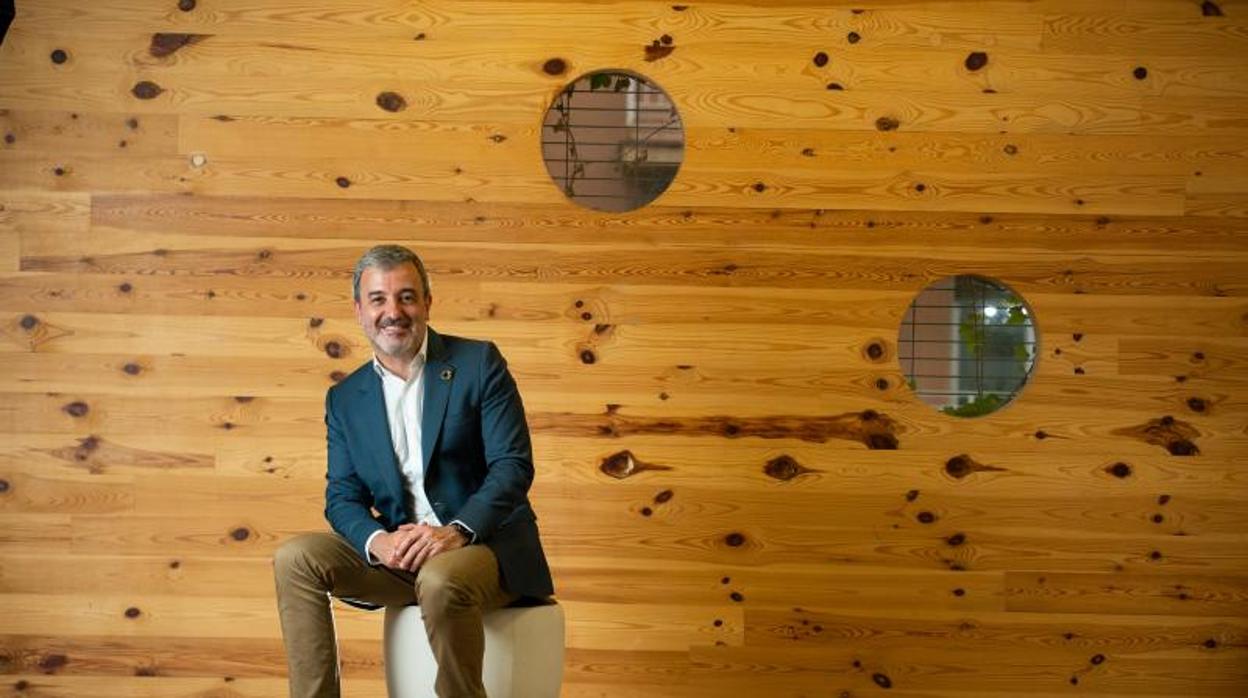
x,y
439,374
375,425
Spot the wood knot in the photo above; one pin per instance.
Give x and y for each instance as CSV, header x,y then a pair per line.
x,y
868,415
1140,72
875,351
820,59
976,60
4,486
166,44
146,89
58,56
1119,470
760,187
1098,658
881,383
1208,8
657,50
621,465
1010,149
51,663
926,517
912,495
1210,643
1182,447
734,540
186,5
737,597
240,534
881,442
391,101
853,37
77,408
587,356
956,539
315,322
132,369
663,497
881,680
1196,404
343,182
886,123
28,322
784,468
334,350
337,376
133,612
1163,499
555,66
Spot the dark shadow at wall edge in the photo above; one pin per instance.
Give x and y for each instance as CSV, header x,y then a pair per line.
x,y
6,18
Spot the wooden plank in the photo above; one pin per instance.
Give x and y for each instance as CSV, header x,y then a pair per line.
x,y
1109,34
506,180
366,221
155,575
788,671
1134,273
1170,595
117,135
129,655
905,25
147,687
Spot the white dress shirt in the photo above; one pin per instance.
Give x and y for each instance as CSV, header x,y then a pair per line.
x,y
405,402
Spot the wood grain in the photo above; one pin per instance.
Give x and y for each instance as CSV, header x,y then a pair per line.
x,y
738,491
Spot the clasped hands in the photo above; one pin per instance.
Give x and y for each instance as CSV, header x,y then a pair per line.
x,y
410,545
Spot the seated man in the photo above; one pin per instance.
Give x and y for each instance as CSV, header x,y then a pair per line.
x,y
431,436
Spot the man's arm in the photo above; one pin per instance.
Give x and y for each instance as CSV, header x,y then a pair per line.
x,y
348,501
508,451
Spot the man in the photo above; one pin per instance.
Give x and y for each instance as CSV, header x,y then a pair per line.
x,y
429,469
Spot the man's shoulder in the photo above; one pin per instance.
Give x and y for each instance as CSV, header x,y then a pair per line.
x,y
355,381
453,345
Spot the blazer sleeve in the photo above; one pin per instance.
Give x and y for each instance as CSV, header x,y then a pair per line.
x,y
348,501
507,450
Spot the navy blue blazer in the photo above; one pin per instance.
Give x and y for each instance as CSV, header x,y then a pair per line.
x,y
478,461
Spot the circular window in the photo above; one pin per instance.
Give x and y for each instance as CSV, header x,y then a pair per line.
x,y
967,345
612,141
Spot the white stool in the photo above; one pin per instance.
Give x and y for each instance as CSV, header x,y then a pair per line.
x,y
523,653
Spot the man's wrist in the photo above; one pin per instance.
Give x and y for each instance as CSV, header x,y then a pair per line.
x,y
464,531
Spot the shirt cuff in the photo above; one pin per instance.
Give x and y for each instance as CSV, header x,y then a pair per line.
x,y
473,534
368,548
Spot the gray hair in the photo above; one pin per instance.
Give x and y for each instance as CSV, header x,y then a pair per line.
x,y
386,257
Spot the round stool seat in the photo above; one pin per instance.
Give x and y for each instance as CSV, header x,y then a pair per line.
x,y
523,653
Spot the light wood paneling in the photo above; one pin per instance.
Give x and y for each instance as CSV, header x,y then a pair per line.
x,y
175,300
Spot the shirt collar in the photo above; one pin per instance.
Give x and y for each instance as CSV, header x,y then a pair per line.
x,y
418,361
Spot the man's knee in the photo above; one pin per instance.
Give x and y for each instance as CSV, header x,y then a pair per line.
x,y
442,589
301,556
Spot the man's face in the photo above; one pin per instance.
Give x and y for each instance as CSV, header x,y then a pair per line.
x,y
393,310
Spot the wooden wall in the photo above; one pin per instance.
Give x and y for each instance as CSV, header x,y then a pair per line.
x,y
183,193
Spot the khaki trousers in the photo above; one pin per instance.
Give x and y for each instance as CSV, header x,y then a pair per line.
x,y
453,590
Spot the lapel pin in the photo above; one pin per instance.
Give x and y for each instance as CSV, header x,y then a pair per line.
x,y
447,373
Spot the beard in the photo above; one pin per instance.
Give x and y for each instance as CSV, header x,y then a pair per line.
x,y
395,337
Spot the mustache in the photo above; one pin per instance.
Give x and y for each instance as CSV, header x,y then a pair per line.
x,y
405,323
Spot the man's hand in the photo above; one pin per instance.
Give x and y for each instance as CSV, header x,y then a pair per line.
x,y
410,545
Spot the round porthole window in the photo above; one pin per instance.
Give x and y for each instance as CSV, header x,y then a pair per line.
x,y
967,345
613,141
